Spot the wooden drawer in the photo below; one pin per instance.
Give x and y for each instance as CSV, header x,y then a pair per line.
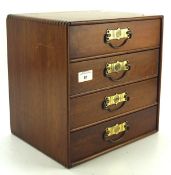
x,y
90,141
88,40
142,65
88,109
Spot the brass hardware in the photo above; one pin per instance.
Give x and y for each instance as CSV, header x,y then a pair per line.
x,y
117,34
116,129
115,99
116,67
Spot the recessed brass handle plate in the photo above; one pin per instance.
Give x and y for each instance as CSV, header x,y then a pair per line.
x,y
115,99
116,129
116,67
117,34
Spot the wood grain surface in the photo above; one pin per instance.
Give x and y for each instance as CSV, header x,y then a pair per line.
x,y
88,40
90,141
38,85
88,109
143,65
65,119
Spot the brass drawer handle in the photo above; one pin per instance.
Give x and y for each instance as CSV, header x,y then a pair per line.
x,y
114,101
117,129
117,34
117,67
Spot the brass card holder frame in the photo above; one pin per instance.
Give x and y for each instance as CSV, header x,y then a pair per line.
x,y
116,67
115,100
117,129
117,34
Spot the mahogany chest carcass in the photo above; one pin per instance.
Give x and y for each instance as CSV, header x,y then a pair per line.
x,y
83,83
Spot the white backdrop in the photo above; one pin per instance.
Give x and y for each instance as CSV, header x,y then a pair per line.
x,y
151,155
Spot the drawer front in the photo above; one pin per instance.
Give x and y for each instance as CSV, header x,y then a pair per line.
x,y
91,108
142,65
95,139
90,40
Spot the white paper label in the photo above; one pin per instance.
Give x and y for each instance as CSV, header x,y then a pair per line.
x,y
85,76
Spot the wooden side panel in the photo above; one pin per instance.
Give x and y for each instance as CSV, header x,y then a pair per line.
x,y
160,68
37,58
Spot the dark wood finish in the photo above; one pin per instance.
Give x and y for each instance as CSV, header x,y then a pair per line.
x,y
88,109
144,65
160,70
37,59
88,40
64,119
112,148
113,54
104,21
89,141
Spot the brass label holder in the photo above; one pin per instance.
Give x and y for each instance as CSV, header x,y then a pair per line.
x,y
115,99
117,34
116,129
116,67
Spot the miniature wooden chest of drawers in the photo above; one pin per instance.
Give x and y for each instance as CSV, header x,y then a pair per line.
x,y
83,83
